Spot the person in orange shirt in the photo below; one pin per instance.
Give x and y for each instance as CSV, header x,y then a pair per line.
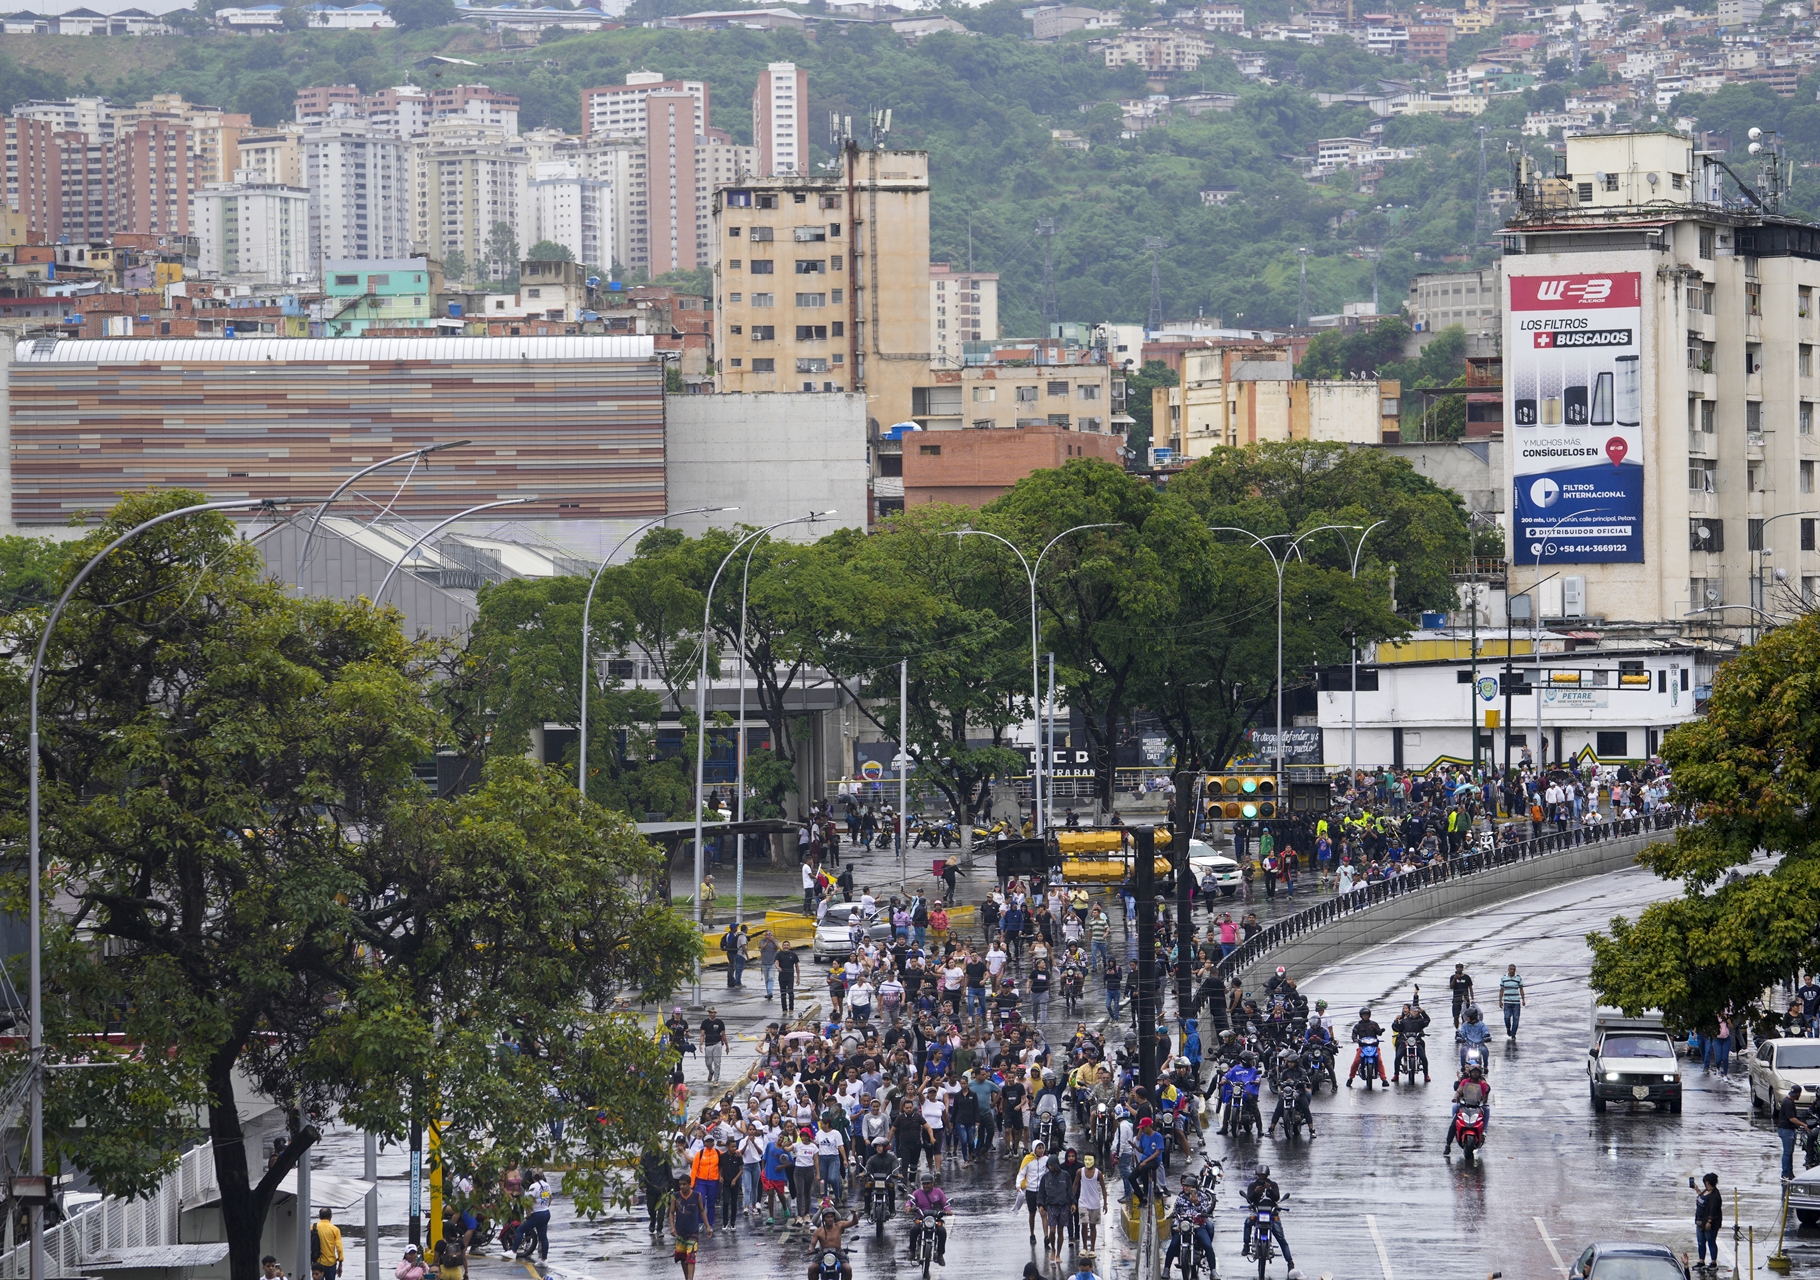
x,y
705,1169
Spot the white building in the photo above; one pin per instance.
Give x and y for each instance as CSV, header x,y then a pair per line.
x,y
467,180
1613,704
963,307
780,126
356,17
251,233
1659,388
572,211
256,18
359,193
618,111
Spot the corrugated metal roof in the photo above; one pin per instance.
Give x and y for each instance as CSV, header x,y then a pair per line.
x,y
332,350
165,1256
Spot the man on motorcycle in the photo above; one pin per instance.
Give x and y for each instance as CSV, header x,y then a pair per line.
x,y
1262,1191
1294,1083
1319,1018
883,1168
827,1238
1473,1032
928,1198
1472,1091
1413,1021
1363,1029
1048,1102
1237,1086
1191,1210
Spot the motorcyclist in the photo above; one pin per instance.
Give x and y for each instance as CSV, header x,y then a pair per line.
x,y
1237,1086
1471,1091
827,1237
1319,1017
1191,1208
1473,1031
1294,1083
928,1198
1262,1191
883,1166
1362,1029
1049,1101
1280,977
1413,1021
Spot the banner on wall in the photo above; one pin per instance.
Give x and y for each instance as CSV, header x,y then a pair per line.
x,y
1573,379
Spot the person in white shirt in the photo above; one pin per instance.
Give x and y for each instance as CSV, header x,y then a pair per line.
x,y
995,959
891,997
935,1112
868,905
831,1151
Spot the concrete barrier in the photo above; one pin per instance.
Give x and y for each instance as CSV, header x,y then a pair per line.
x,y
1380,922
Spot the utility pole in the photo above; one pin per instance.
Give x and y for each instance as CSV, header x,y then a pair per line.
x,y
1143,1003
1155,244
1052,315
1186,802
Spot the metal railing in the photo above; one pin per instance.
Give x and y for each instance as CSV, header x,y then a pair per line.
x,y
92,1229
1470,862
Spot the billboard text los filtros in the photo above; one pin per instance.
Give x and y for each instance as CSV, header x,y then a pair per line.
x,y
1574,383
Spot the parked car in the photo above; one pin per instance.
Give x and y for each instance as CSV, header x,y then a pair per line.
x,y
1627,1261
1779,1063
1203,857
833,934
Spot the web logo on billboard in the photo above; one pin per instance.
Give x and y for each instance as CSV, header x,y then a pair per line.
x,y
1585,292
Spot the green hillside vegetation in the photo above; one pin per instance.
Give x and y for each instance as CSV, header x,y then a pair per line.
x,y
984,106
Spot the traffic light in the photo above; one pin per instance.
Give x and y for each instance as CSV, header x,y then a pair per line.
x,y
1241,796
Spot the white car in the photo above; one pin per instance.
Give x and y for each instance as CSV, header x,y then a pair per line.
x,y
1779,1063
1203,857
833,935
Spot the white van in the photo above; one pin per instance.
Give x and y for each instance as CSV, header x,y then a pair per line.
x,y
1633,1059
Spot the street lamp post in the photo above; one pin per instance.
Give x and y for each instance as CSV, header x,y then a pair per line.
x,y
1036,686
1356,553
1282,563
342,488
587,606
33,865
1535,616
701,702
1762,553
379,596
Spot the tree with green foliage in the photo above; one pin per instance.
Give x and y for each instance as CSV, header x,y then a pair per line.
x,y
264,892
422,15
1140,387
549,251
502,252
1750,768
31,570
455,266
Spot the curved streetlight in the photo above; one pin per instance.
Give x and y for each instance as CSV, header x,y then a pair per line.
x,y
1762,553
1036,685
587,607
1538,543
342,488
1356,553
701,700
32,862
379,596
1282,562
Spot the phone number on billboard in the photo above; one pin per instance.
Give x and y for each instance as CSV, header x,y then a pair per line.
x,y
1571,548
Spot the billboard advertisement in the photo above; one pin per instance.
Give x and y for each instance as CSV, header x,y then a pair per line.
x,y
1573,379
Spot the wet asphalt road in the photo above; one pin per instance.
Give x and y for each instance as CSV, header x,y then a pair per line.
x,y
1372,1197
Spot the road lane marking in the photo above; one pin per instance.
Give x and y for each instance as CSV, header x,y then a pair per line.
x,y
1383,1253
1552,1251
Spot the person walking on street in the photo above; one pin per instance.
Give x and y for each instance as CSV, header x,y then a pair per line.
x,y
713,1042
1460,984
739,955
1789,1128
688,1219
787,962
1510,988
767,962
706,897
1709,1214
326,1254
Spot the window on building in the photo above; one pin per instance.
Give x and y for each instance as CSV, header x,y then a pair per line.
x,y
1059,389
811,299
1804,417
834,231
1753,298
813,364
764,299
735,298
834,263
839,330
734,328
1753,358
929,450
1807,360
810,235
733,264
733,233
1611,182
1705,593
1804,304
764,365
765,200
810,266
735,362
1089,391
1613,744
1708,408
763,266
1703,476
1586,195
1026,395
811,333
835,297
1059,420
763,235
829,202
1708,238
1753,535
1807,477
1810,590
984,395
764,333
1753,416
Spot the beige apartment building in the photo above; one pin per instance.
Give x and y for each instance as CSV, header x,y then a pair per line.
x,y
1659,390
1241,394
822,284
272,156
963,307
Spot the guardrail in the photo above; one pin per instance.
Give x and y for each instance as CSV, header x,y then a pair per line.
x,y
94,1229
1472,862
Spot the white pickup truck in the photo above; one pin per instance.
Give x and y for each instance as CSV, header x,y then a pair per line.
x,y
1632,1059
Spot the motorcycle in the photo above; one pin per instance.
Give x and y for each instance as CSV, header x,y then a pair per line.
x,y
1049,1130
1073,985
1469,1130
1247,1122
1409,1058
922,1247
828,1264
1263,1242
1102,1132
1188,1248
1317,1060
1474,1055
1295,1097
1369,1065
878,1206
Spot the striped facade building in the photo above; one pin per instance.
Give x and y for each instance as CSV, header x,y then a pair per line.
x,y
576,421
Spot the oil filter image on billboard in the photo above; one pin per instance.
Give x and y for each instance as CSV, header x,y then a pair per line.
x,y
1573,381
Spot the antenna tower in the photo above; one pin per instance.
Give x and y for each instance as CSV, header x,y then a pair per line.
x,y
1052,313
1478,208
1155,244
1301,306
